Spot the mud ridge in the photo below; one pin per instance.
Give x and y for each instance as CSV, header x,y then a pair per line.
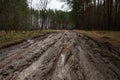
x,y
66,55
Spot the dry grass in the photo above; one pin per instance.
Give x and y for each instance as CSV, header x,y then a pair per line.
x,y
112,37
10,37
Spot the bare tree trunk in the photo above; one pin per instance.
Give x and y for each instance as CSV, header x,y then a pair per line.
x,y
43,7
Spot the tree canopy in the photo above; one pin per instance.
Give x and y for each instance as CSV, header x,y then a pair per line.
x,y
95,14
84,14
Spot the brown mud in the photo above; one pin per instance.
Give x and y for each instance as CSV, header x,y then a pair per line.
x,y
60,56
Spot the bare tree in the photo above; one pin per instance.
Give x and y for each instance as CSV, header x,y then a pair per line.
x,y
44,4
43,8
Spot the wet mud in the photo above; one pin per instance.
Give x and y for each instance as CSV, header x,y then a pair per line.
x,y
60,56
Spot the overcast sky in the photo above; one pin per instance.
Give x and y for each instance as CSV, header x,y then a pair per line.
x,y
54,4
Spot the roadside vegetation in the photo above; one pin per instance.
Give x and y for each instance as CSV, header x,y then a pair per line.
x,y
112,37
91,15
12,37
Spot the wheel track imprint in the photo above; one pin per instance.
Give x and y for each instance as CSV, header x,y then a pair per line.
x,y
66,55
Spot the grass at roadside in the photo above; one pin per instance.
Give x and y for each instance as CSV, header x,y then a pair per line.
x,y
11,37
112,37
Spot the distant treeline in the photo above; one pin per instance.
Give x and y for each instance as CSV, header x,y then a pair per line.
x,y
95,14
84,14
16,15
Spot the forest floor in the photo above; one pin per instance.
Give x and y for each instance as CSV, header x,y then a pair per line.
x,y
62,55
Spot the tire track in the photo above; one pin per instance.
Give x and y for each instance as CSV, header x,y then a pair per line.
x,y
61,56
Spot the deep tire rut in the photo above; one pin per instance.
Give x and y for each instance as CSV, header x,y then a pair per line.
x,y
60,56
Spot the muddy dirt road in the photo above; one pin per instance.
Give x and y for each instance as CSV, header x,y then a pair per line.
x,y
60,56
